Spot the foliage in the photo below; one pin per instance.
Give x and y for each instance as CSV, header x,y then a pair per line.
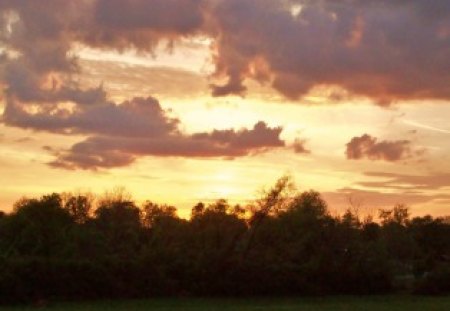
x,y
76,246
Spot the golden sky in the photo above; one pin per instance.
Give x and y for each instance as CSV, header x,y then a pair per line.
x,y
194,100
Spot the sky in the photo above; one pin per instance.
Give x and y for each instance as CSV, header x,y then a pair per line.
x,y
181,101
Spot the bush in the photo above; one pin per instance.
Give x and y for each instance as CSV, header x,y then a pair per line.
x,y
435,282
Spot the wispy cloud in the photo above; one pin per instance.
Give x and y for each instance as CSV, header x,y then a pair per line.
x,y
426,127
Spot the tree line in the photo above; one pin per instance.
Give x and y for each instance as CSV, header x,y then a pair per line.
x,y
63,246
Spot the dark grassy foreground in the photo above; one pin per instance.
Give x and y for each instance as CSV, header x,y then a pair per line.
x,y
379,303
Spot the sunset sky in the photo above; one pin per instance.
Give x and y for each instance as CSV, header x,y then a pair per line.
x,y
183,101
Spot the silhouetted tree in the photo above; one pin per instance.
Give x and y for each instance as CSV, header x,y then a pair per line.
x,y
79,206
197,210
74,246
153,213
119,223
38,227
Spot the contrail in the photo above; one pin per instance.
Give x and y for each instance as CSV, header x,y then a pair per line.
x,y
427,127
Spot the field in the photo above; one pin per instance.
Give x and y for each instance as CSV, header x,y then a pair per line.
x,y
307,304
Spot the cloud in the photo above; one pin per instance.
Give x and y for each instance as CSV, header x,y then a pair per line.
x,y
385,50
39,63
369,147
120,24
78,158
98,152
43,93
342,198
137,117
259,137
118,134
389,189
299,146
381,49
114,24
161,15
407,182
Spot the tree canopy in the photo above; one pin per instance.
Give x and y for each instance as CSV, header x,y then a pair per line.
x,y
79,246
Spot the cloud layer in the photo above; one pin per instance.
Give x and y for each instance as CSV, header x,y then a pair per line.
x,y
114,151
407,182
385,50
120,133
371,201
38,73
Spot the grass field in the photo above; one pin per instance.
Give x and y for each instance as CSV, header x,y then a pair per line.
x,y
308,304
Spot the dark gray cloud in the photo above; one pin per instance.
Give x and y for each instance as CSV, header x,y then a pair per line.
x,y
118,134
120,24
368,147
386,50
29,86
39,36
110,151
78,158
260,136
160,15
139,117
